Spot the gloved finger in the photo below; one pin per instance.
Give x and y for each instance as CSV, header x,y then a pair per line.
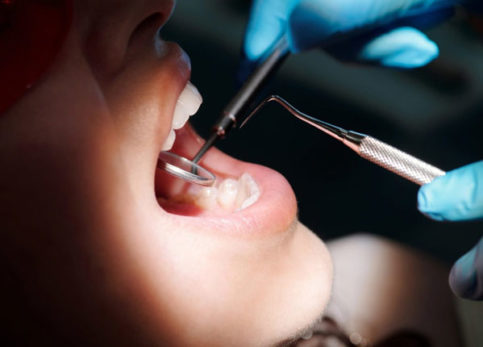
x,y
458,195
318,23
267,23
466,277
401,48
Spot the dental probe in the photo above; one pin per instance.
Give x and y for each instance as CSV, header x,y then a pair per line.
x,y
367,147
241,101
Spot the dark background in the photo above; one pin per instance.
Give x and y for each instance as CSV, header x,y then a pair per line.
x,y
433,113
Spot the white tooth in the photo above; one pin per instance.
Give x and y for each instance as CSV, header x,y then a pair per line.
x,y
191,98
243,193
230,195
180,117
227,193
188,103
252,190
206,197
168,143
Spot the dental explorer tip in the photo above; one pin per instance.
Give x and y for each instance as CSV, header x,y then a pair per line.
x,y
208,144
260,105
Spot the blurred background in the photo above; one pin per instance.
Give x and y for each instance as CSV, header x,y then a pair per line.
x,y
434,113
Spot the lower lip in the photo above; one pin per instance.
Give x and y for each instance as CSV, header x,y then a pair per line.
x,y
275,210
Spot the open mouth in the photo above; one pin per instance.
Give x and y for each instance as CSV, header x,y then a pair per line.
x,y
244,191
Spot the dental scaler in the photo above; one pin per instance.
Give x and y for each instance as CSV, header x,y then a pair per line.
x,y
367,147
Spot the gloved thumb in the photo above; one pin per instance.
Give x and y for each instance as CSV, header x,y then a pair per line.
x,y
466,277
267,23
404,47
401,47
458,195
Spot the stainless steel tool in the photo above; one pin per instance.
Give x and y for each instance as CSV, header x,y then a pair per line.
x,y
241,101
367,147
184,168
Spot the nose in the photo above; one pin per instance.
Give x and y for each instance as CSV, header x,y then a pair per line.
x,y
114,25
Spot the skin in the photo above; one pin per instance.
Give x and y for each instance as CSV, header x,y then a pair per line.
x,y
90,257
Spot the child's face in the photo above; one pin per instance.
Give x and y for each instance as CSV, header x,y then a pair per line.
x,y
83,234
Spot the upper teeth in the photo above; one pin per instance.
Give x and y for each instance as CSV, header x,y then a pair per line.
x,y
188,103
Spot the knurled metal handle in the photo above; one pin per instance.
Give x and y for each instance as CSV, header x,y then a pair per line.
x,y
398,162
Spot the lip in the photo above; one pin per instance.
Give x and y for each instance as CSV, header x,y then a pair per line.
x,y
273,212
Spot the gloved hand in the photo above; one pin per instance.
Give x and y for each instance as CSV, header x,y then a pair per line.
x,y
458,196
310,23
397,43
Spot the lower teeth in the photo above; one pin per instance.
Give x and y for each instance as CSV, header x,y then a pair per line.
x,y
230,194
252,191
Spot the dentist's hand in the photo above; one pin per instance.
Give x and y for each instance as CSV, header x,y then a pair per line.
x,y
310,23
458,196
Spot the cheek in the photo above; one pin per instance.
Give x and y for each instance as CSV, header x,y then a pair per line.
x,y
30,39
142,98
141,112
61,132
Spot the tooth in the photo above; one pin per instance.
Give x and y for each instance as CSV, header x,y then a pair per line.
x,y
188,103
206,197
243,193
227,193
252,191
191,98
168,143
180,117
230,195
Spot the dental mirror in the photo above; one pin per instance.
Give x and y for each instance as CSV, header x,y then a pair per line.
x,y
185,169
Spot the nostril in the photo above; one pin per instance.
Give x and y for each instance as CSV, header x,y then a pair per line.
x,y
148,27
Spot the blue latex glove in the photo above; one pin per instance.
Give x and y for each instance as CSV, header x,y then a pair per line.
x,y
311,23
458,196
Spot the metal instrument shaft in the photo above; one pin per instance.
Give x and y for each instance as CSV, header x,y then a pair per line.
x,y
244,97
367,147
